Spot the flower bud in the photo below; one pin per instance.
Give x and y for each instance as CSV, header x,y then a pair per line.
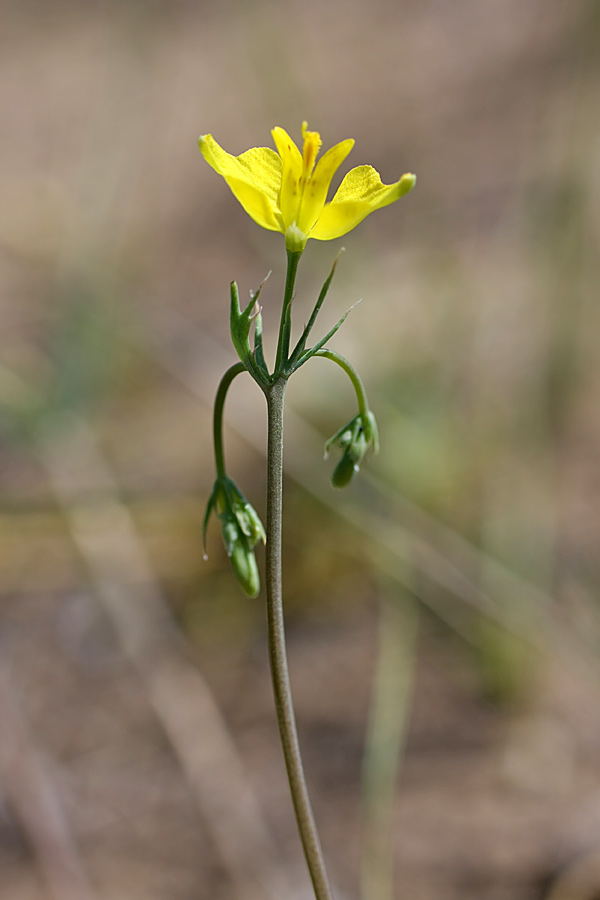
x,y
241,528
244,565
246,516
355,439
344,472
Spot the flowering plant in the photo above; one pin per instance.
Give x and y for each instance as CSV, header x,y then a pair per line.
x,y
286,191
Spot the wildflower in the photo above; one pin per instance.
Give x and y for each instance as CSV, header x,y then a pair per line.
x,y
286,190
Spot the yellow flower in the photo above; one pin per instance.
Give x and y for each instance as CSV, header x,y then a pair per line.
x,y
287,191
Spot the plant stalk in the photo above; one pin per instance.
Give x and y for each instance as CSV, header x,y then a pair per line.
x,y
283,344
275,394
224,385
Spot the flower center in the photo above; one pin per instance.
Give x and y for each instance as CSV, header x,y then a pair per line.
x,y
312,145
310,150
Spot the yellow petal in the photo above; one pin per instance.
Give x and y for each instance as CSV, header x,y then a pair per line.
x,y
315,191
291,174
360,193
254,178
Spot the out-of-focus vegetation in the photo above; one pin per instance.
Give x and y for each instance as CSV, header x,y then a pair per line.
x,y
477,340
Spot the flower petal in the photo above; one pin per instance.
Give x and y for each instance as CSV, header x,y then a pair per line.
x,y
254,178
291,161
315,192
360,193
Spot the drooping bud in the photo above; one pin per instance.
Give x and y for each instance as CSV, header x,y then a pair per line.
x,y
356,440
246,516
244,565
242,529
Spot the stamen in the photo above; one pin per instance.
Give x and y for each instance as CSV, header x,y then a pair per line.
x,y
312,145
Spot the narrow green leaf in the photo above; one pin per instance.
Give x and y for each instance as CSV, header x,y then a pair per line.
x,y
318,346
299,348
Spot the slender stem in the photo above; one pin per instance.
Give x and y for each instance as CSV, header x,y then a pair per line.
x,y
275,394
361,394
285,325
226,380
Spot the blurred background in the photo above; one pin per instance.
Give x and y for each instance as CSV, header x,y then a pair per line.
x,y
443,615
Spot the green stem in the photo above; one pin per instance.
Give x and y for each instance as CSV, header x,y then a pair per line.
x,y
275,394
226,380
361,394
285,326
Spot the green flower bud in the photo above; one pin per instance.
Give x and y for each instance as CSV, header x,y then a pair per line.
x,y
241,528
344,472
356,440
246,516
230,533
244,565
